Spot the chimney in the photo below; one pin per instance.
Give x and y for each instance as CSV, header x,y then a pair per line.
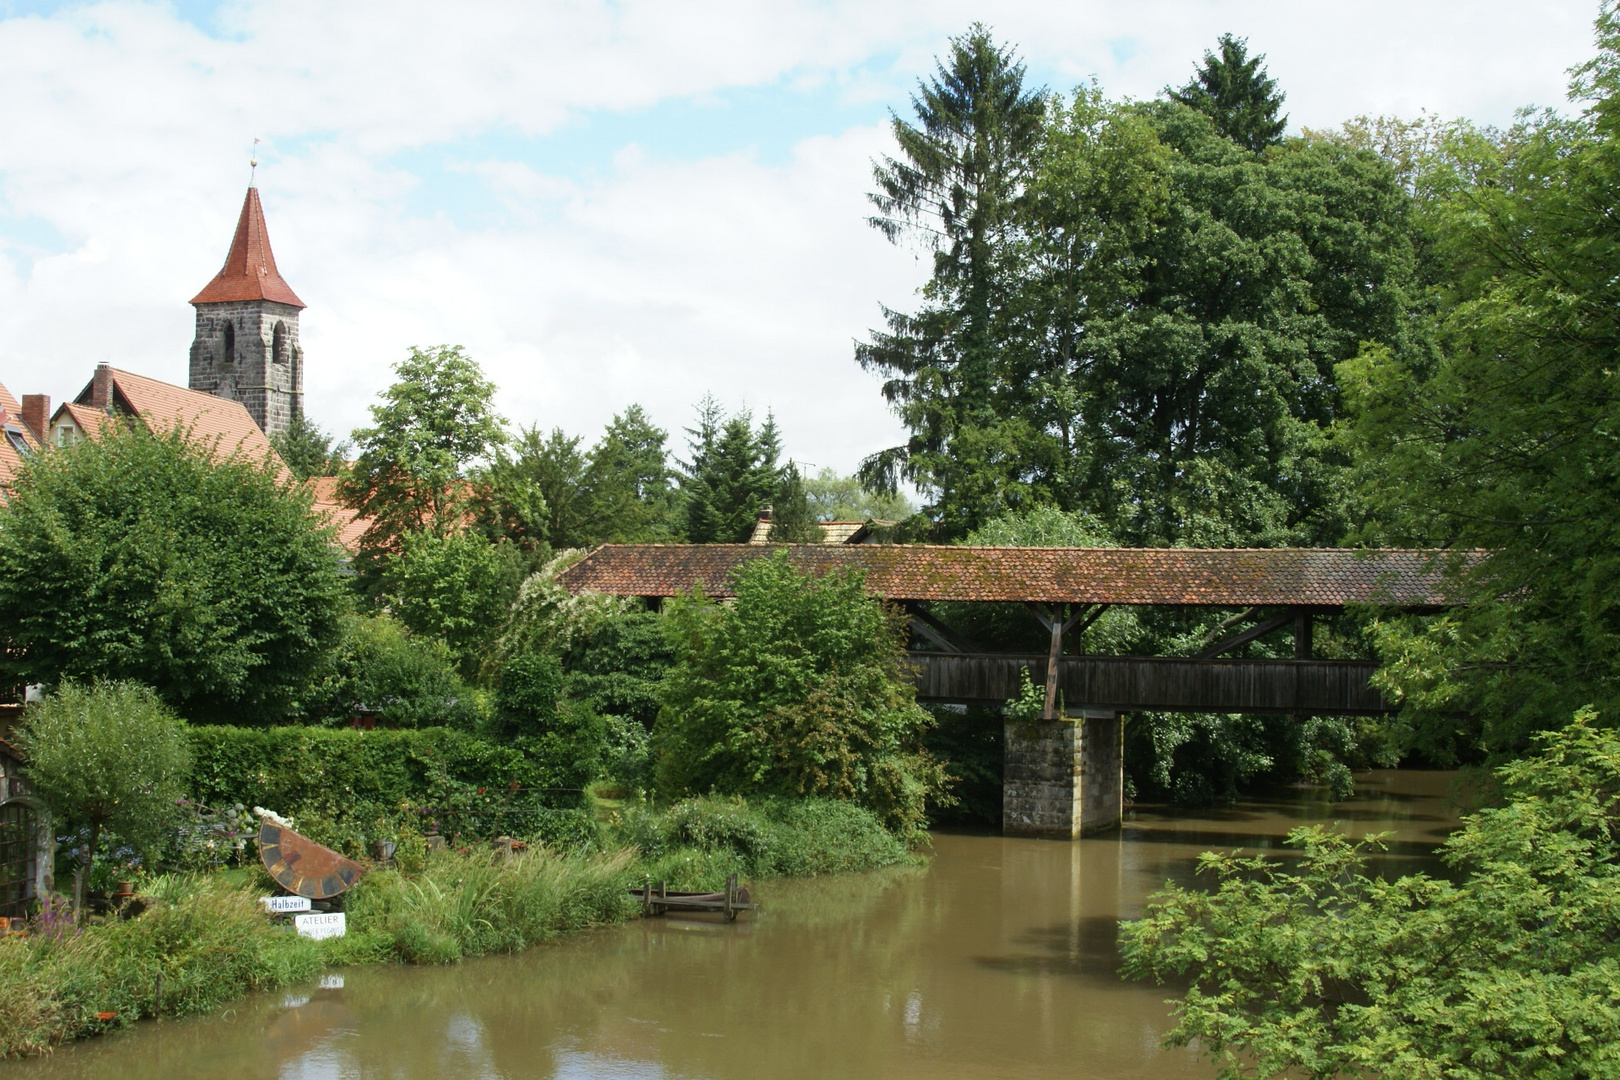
x,y
36,413
101,387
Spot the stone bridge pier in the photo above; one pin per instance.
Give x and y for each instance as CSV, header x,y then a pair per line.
x,y
1064,778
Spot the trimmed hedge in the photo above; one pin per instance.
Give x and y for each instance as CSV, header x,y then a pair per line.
x,y
348,787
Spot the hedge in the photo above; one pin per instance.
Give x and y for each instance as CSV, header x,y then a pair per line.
x,y
348,787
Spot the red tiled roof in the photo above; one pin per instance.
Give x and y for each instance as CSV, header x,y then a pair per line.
x,y
250,270
10,459
1226,577
328,506
90,420
163,406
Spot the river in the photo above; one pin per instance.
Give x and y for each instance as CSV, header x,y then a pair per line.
x,y
996,960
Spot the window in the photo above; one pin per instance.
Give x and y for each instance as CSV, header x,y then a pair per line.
x,y
230,343
278,343
17,441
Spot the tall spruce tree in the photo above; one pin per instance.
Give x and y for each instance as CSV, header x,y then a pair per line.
x,y
733,473
1234,90
953,189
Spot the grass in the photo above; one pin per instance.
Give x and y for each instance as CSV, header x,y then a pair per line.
x,y
207,938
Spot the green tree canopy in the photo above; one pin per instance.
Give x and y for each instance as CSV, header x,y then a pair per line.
x,y
405,680
1169,310
458,588
547,489
835,497
798,688
1501,436
308,450
733,473
141,556
436,421
792,520
1233,90
107,756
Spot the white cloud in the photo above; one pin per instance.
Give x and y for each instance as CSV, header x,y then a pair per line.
x,y
649,278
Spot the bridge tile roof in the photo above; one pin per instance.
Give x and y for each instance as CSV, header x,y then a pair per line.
x,y
1224,577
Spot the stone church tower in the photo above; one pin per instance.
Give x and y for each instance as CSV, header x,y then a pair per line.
x,y
246,347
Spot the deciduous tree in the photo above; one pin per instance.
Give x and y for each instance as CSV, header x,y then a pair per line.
x,y
142,556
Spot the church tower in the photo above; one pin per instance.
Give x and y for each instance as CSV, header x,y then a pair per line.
x,y
246,348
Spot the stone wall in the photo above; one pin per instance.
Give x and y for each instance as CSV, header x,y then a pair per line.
x,y
235,355
1063,778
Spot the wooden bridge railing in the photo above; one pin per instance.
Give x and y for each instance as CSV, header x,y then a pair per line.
x,y
1164,684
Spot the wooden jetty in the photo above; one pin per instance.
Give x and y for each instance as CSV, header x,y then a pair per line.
x,y
656,900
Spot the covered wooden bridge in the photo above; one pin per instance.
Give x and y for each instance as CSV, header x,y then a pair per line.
x,y
1067,589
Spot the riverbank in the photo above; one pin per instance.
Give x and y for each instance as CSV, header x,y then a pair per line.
x,y
994,961
202,941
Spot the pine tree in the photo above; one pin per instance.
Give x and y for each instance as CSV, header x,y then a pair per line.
x,y
953,188
792,519
733,473
1234,91
308,450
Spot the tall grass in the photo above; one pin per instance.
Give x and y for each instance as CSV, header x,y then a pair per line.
x,y
470,904
206,948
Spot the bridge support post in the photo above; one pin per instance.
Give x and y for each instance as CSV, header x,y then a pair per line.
x,y
1064,778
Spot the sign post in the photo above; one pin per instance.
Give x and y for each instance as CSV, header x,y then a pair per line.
x,y
321,925
285,905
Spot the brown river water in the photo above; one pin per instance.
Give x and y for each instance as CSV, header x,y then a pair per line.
x,y
995,960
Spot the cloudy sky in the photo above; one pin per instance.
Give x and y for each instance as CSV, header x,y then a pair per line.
x,y
605,202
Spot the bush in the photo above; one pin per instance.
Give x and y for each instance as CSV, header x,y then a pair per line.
x,y
620,667
797,689
106,756
346,787
696,843
1313,966
405,681
532,714
457,588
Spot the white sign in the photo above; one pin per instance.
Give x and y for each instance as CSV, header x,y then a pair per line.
x,y
282,905
321,925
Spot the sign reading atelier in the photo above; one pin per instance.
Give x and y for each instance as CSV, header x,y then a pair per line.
x,y
321,925
285,905
303,867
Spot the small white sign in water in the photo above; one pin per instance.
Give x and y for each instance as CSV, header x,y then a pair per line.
x,y
321,925
282,905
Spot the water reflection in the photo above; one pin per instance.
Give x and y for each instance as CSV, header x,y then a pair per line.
x,y
996,960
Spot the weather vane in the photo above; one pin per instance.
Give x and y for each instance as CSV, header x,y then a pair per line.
x,y
253,162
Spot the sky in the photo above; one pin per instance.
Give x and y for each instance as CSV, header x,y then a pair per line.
x,y
605,203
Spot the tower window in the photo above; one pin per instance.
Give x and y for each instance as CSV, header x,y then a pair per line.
x,y
278,343
230,343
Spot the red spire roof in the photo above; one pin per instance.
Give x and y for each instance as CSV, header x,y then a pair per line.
x,y
250,270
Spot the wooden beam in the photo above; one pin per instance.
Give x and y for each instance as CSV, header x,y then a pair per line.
x,y
937,632
1302,633
1052,655
1259,629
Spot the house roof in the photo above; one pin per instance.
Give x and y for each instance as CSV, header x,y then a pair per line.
x,y
90,420
250,270
15,431
350,525
163,406
1226,577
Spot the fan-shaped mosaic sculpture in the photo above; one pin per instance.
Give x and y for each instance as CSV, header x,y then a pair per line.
x,y
303,867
